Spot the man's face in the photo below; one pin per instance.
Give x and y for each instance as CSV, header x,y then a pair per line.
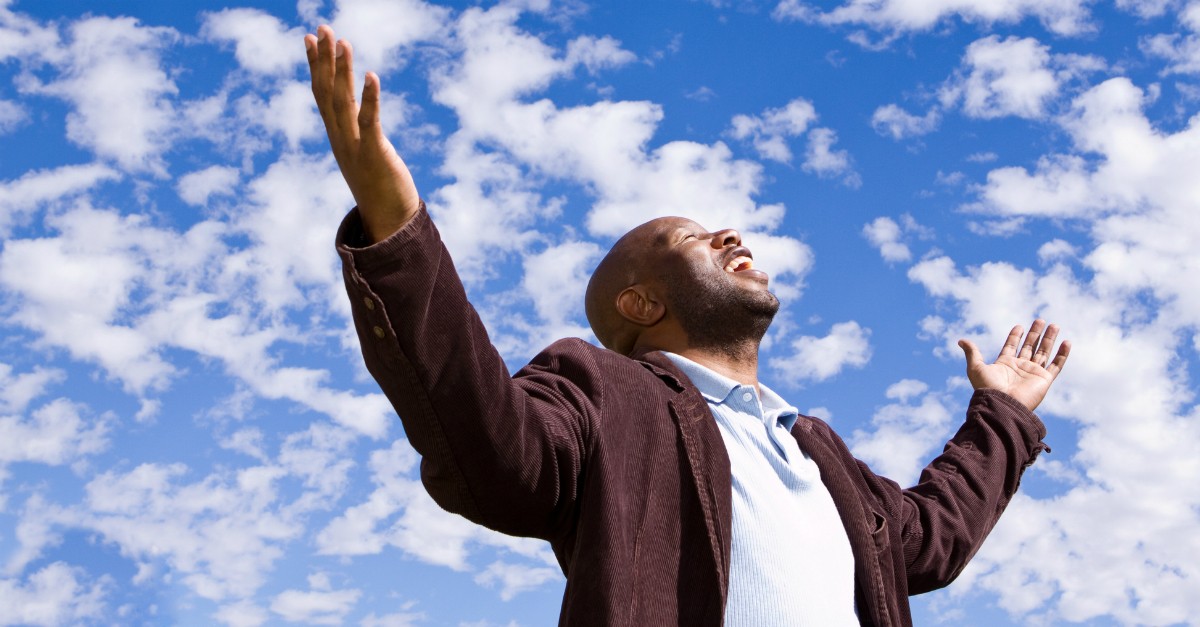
x,y
711,284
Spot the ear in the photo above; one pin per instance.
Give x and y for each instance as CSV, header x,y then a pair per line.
x,y
638,305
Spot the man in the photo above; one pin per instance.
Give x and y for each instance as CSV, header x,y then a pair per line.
x,y
673,487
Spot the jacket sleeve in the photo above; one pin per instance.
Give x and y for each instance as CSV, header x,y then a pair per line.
x,y
961,494
503,452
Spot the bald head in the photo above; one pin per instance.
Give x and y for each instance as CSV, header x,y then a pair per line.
x,y
623,267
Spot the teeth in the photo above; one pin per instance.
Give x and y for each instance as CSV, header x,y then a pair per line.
x,y
739,261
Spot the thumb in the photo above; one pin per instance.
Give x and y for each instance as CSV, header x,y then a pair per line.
x,y
974,357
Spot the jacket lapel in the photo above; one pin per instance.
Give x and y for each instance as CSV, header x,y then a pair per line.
x,y
707,459
862,523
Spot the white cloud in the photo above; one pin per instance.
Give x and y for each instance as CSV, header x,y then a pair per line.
x,y
262,43
219,535
905,435
12,115
38,188
700,181
949,179
287,254
395,619
554,281
114,291
820,412
319,605
821,158
244,613
597,53
1182,52
16,391
514,579
1013,76
55,595
1064,17
54,433
892,121
195,188
885,234
75,297
702,93
997,78
290,112
997,294
20,34
1189,16
818,358
505,146
1146,8
381,30
1055,250
1135,166
769,130
1007,77
248,441
111,74
905,389
500,63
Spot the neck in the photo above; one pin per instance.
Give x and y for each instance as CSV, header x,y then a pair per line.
x,y
738,362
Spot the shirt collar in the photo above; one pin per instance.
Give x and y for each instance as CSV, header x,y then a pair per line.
x,y
716,388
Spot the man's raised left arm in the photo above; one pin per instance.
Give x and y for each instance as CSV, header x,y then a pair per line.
x,y
962,493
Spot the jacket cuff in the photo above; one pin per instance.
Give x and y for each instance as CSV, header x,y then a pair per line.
x,y
1011,409
367,258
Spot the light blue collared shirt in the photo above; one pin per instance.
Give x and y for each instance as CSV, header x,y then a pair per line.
x,y
791,562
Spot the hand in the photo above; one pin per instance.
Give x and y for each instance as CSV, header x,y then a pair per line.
x,y
1025,375
380,182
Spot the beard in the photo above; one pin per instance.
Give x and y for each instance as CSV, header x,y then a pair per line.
x,y
719,315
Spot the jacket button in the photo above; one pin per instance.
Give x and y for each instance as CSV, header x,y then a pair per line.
x,y
370,304
380,333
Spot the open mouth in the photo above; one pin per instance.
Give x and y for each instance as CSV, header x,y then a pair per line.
x,y
739,263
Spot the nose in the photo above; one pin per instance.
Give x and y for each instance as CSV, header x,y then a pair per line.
x,y
726,237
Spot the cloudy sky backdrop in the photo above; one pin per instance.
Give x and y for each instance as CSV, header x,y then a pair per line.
x,y
187,434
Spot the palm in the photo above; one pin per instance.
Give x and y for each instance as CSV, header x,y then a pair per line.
x,y
1025,373
378,178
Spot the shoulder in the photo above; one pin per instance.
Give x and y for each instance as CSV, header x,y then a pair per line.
x,y
595,369
820,429
578,361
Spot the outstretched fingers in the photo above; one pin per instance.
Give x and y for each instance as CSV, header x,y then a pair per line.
x,y
1041,356
1032,339
320,50
345,107
369,128
1011,342
1060,359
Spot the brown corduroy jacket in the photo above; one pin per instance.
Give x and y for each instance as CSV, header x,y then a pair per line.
x,y
618,463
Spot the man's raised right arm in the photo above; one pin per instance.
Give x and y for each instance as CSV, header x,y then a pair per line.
x,y
503,452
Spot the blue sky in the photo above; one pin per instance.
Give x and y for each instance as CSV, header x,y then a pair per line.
x,y
187,434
